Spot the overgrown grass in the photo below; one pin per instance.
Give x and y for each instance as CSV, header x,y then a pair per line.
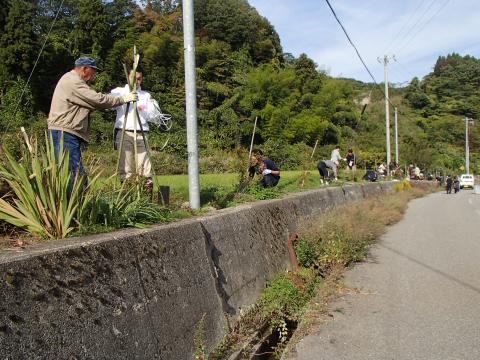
x,y
48,200
326,245
226,190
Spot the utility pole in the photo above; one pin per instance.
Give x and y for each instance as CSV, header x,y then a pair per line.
x,y
396,136
386,59
467,148
191,104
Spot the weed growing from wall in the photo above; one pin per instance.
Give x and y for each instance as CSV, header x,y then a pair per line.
x,y
326,244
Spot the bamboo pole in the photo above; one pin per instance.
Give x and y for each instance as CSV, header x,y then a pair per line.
x,y
302,184
27,140
253,135
132,87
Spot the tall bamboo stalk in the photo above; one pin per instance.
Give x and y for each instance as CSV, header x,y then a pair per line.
x,y
132,86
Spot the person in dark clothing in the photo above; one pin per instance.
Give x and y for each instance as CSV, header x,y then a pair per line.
x,y
323,166
351,161
449,185
456,184
270,173
266,168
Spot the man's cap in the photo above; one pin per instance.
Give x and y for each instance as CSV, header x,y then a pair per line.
x,y
87,61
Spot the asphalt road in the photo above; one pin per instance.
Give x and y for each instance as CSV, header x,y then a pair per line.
x,y
418,294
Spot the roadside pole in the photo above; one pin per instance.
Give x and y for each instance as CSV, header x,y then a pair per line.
x,y
396,136
468,121
191,104
387,111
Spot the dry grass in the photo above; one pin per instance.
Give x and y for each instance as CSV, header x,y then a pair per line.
x,y
327,244
359,225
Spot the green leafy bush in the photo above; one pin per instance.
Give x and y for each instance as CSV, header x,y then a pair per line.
x,y
260,193
306,254
282,294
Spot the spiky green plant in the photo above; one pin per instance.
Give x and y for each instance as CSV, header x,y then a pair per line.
x,y
126,206
47,200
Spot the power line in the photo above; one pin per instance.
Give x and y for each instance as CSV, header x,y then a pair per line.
x,y
425,24
356,50
417,22
351,42
33,69
403,27
361,59
403,69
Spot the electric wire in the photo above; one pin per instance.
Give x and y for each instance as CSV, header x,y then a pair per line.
x,y
351,42
403,69
427,9
356,50
360,57
31,72
442,6
404,26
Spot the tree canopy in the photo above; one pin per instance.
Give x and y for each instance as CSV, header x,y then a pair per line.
x,y
242,73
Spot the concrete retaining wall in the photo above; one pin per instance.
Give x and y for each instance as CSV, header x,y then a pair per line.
x,y
138,294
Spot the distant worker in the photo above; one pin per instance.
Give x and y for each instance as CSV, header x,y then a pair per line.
x,y
382,170
456,184
449,183
335,155
72,102
266,168
323,166
145,105
417,173
351,161
270,173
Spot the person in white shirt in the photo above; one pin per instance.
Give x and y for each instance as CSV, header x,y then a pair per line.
x,y
145,105
335,155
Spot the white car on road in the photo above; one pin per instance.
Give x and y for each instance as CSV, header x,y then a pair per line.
x,y
466,180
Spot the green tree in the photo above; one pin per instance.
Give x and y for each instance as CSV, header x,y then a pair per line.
x,y
18,42
90,33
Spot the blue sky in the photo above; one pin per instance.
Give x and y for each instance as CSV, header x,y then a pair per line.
x,y
415,31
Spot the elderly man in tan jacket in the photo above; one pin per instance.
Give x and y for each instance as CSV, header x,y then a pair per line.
x,y
72,102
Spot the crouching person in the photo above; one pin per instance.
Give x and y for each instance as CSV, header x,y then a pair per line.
x,y
266,168
323,166
270,173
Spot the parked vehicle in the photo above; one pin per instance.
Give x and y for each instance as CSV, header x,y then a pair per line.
x,y
467,180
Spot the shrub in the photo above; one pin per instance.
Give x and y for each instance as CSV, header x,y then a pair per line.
x,y
47,199
125,206
402,186
305,251
281,294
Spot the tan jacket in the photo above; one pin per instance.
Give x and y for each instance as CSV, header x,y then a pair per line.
x,y
72,102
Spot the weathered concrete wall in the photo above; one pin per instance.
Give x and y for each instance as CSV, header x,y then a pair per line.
x,y
139,294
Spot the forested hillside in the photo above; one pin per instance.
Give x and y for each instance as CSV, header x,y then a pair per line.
x,y
242,73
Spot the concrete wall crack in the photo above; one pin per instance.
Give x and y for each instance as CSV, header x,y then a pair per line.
x,y
213,257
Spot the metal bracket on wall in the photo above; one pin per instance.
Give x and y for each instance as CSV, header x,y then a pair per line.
x,y
291,251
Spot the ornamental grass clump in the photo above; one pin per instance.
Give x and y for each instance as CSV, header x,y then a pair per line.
x,y
46,199
125,206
